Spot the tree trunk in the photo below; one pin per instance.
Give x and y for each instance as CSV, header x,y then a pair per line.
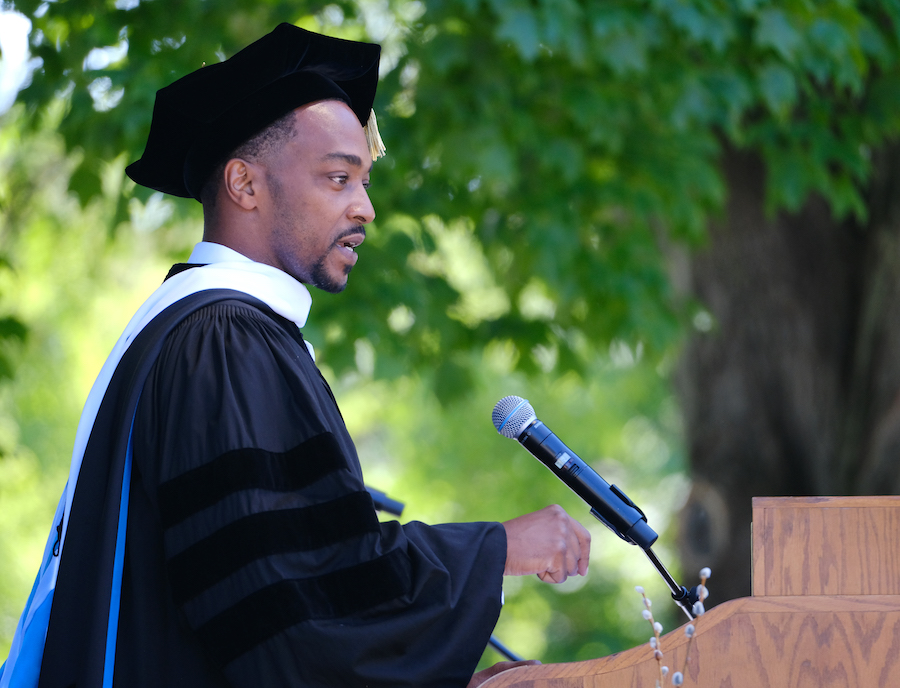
x,y
795,389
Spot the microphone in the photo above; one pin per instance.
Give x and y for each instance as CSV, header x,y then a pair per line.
x,y
514,418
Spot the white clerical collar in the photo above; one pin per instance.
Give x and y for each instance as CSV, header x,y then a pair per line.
x,y
225,268
207,252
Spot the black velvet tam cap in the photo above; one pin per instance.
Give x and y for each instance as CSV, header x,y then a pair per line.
x,y
204,116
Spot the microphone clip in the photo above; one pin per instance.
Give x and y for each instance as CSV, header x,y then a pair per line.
x,y
625,498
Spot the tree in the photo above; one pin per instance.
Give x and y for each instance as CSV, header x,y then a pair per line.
x,y
793,391
550,161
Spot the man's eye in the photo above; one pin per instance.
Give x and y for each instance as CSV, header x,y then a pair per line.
x,y
340,178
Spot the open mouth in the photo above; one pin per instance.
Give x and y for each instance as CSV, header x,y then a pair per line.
x,y
351,240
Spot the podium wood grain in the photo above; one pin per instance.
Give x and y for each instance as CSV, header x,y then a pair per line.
x,y
826,546
825,611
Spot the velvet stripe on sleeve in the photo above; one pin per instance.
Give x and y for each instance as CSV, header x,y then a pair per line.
x,y
257,544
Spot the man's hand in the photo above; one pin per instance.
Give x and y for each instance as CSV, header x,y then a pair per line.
x,y
485,674
549,543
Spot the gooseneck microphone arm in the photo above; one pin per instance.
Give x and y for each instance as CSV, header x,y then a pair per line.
x,y
514,418
684,598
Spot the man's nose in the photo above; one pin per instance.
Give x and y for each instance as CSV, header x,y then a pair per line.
x,y
362,210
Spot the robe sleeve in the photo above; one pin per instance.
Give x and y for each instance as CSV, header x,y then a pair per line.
x,y
273,551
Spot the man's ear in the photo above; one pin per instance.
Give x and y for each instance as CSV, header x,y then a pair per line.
x,y
241,177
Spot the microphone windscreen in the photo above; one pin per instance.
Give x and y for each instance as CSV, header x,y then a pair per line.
x,y
512,415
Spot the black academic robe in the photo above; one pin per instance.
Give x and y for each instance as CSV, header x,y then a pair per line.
x,y
254,556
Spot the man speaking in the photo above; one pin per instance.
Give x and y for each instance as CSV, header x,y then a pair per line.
x,y
216,529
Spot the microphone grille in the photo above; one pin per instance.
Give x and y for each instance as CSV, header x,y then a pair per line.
x,y
512,415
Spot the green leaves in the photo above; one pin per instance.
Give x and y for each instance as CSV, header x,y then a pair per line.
x,y
622,38
519,27
571,139
701,22
774,30
778,89
12,331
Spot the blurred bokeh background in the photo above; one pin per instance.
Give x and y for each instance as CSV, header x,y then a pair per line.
x,y
671,224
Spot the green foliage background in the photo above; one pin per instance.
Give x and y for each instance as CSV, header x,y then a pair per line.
x,y
544,159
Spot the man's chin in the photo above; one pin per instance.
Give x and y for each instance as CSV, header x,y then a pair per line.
x,y
321,278
331,288
329,284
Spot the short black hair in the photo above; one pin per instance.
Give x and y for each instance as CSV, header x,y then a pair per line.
x,y
254,149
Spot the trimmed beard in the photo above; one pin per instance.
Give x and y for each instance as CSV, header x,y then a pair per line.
x,y
318,277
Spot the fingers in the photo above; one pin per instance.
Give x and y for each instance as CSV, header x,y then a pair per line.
x,y
584,544
549,543
552,577
485,674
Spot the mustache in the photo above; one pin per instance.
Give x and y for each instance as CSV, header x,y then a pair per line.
x,y
360,229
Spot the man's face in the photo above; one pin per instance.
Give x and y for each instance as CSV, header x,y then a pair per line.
x,y
317,199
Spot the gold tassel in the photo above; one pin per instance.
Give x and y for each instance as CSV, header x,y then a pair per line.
x,y
373,138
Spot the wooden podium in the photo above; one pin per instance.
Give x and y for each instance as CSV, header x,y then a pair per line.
x,y
825,610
